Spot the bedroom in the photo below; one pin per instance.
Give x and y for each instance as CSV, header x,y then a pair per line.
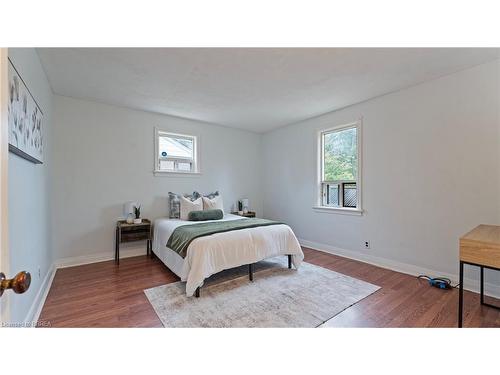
x,y
250,186
89,194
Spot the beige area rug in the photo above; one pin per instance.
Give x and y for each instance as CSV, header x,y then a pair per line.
x,y
278,297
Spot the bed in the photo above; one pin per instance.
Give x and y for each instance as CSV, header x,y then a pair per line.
x,y
216,252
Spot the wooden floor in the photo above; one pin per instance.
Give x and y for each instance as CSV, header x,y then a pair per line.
x,y
105,295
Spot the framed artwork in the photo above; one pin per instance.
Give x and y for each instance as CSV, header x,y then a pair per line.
x,y
25,119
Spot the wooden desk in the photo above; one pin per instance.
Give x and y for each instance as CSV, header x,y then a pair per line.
x,y
480,247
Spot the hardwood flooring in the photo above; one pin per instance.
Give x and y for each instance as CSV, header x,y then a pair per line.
x,y
106,295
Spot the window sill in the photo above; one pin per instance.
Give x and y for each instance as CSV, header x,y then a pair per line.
x,y
176,174
339,210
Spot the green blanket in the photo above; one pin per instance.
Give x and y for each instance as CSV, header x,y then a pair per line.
x,y
182,236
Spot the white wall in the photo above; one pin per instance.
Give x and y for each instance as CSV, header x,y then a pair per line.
x,y
104,155
29,185
431,172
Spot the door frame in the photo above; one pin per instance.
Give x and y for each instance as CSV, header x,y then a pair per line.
x,y
4,162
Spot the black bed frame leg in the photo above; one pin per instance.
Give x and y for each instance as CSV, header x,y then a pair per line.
x,y
250,272
197,292
289,261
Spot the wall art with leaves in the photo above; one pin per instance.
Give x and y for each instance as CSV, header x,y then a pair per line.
x,y
25,120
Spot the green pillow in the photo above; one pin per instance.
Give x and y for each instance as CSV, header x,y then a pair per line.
x,y
205,215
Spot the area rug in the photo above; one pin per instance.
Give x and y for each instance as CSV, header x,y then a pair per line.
x,y
278,297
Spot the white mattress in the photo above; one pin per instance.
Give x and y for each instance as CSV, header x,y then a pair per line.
x,y
211,254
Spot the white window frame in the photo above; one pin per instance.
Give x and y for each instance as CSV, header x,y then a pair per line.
x,y
318,206
196,153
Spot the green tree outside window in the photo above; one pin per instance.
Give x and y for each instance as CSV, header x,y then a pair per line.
x,y
340,155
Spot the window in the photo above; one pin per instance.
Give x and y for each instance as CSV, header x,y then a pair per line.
x,y
176,153
339,168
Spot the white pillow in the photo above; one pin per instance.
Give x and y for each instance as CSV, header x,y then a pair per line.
x,y
213,204
187,206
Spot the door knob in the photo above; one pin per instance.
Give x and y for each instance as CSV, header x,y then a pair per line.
x,y
19,284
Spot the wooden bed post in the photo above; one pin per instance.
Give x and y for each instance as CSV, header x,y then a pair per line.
x,y
250,272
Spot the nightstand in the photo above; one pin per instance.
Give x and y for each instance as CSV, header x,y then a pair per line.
x,y
248,214
132,232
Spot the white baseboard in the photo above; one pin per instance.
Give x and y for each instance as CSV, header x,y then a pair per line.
x,y
96,258
472,285
39,301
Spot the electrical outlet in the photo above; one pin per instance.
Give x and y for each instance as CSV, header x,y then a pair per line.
x,y
367,244
39,273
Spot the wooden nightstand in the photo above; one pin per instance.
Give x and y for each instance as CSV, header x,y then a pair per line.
x,y
248,214
132,232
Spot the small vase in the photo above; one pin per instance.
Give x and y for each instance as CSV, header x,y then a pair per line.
x,y
137,221
130,219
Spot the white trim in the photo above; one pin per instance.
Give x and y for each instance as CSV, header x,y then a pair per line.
x,y
196,154
176,174
39,300
469,284
339,210
4,198
358,125
96,258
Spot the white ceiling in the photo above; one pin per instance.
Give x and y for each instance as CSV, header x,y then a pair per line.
x,y
254,89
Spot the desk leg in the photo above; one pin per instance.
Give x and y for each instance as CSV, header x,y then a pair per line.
x,y
461,295
482,285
